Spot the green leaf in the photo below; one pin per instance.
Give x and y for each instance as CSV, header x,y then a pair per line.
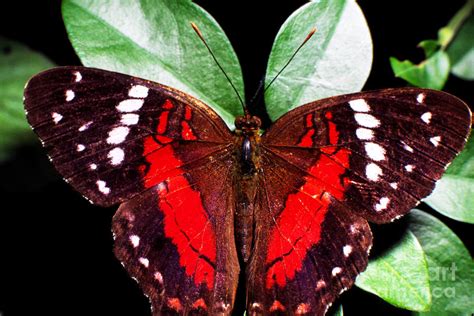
x,y
17,64
429,47
450,264
335,61
154,40
431,73
461,51
453,195
400,275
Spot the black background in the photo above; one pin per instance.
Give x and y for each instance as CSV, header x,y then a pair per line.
x,y
56,249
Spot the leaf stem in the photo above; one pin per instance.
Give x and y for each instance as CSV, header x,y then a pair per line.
x,y
449,32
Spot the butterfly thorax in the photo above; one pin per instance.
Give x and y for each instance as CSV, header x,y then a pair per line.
x,y
247,129
247,134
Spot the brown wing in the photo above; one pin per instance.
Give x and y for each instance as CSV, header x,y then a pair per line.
x,y
167,157
330,166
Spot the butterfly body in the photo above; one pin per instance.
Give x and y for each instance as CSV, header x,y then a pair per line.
x,y
201,204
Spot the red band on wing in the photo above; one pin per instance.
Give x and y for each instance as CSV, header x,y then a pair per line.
x,y
299,224
185,220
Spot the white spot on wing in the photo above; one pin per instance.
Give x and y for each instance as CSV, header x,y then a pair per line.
x,y
135,241
144,261
129,119
407,147
130,105
85,126
116,156
77,76
409,168
375,151
158,277
373,172
347,249
103,187
366,120
80,147
382,205
93,166
336,271
56,117
420,98
426,117
118,135
394,185
364,133
138,91
70,95
435,140
359,105
320,284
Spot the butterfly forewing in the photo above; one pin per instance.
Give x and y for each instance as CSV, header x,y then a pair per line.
x,y
117,138
94,123
341,162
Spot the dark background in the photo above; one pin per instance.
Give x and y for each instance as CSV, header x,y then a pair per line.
x,y
56,249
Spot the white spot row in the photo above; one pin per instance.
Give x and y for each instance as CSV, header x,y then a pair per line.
x,y
359,105
407,147
144,261
375,151
70,95
366,120
135,241
56,117
336,271
409,168
80,147
85,126
102,186
364,133
373,172
116,156
382,204
130,105
420,98
118,135
435,140
138,91
426,117
77,76
129,119
347,249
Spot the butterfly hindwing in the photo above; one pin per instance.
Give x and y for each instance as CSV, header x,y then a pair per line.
x,y
330,166
168,158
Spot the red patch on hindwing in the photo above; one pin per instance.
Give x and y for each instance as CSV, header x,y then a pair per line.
x,y
185,222
186,130
299,224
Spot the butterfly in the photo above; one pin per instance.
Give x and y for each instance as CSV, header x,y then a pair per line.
x,y
200,204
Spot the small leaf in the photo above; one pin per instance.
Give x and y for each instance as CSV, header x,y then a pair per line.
x,y
450,264
461,51
400,275
154,40
429,47
431,73
17,64
335,61
454,192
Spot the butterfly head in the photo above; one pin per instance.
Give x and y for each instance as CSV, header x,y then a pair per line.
x,y
248,125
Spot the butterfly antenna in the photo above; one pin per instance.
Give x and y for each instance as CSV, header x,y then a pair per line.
x,y
198,32
260,87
